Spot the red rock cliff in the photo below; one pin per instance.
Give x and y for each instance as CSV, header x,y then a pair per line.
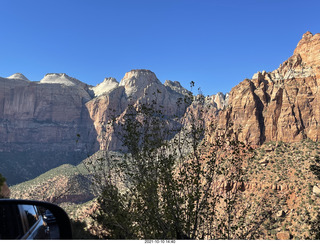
x,y
283,105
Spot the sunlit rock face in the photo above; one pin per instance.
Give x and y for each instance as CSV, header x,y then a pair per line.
x,y
107,85
37,113
62,120
176,86
18,76
136,81
39,124
137,87
283,104
143,87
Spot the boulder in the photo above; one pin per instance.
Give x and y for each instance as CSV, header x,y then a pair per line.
x,y
285,235
316,190
281,213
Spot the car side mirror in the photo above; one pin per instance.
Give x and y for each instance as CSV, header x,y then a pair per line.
x,y
26,219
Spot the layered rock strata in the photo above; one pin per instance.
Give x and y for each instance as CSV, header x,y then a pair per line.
x,y
39,124
282,105
136,87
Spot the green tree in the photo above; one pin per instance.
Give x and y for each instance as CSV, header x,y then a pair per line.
x,y
315,167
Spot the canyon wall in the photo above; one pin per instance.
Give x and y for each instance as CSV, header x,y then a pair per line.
x,y
282,105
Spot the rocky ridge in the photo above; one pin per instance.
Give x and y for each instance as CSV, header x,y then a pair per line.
x,y
136,87
18,76
282,105
39,120
62,114
106,86
64,117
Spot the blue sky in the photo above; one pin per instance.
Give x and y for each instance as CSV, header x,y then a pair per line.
x,y
216,43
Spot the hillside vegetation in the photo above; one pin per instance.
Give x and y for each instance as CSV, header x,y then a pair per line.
x,y
67,183
286,170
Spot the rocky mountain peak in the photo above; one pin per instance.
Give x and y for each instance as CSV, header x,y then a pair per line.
x,y
176,86
304,62
221,100
18,76
138,73
309,50
138,79
60,78
307,35
282,105
109,80
107,85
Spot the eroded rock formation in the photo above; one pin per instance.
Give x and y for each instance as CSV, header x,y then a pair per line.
x,y
39,120
282,105
39,124
136,87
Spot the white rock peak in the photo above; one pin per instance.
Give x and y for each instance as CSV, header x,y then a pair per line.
x,y
60,78
176,86
138,79
107,85
18,76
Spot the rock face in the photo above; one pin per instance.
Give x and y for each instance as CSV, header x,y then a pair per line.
x,y
62,120
18,76
136,87
107,85
41,115
283,105
39,124
176,86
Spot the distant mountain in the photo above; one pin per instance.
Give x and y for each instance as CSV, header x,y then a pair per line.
x,y
39,123
62,120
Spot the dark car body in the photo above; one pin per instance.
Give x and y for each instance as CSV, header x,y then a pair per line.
x,y
23,219
22,222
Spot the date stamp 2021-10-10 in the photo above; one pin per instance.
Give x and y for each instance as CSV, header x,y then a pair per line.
x,y
160,241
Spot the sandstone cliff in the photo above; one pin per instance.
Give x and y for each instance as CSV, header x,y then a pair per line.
x,y
282,105
39,123
136,87
63,120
